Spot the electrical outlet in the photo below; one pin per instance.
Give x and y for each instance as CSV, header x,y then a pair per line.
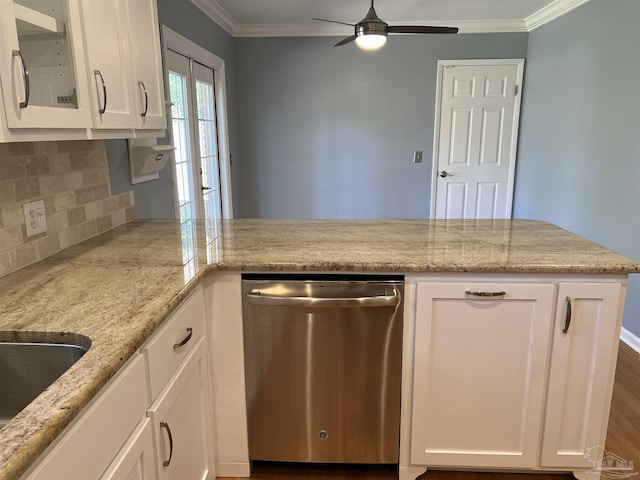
x,y
35,219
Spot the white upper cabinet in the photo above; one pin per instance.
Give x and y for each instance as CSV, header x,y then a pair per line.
x,y
42,68
146,63
84,68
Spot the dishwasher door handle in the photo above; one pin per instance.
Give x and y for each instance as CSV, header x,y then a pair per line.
x,y
390,300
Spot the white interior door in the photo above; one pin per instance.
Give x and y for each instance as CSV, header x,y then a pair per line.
x,y
476,129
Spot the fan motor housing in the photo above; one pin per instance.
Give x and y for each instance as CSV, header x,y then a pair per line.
x,y
372,28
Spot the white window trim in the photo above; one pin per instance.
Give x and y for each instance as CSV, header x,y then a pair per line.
x,y
171,40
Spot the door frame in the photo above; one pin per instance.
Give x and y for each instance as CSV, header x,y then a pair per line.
x,y
171,40
442,64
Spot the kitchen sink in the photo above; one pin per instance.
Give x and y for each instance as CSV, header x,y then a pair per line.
x,y
27,369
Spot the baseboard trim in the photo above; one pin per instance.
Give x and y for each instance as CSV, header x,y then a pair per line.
x,y
630,339
225,469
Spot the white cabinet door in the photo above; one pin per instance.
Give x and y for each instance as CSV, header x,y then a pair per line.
x,y
146,63
583,363
105,33
479,373
181,419
42,67
136,460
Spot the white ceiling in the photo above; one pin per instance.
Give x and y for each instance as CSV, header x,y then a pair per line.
x,y
246,18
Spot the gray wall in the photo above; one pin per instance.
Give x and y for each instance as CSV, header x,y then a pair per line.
x,y
154,199
579,149
330,132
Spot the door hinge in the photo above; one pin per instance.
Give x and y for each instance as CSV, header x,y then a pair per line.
x,y
516,90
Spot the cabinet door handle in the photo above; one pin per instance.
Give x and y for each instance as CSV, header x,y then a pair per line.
x,y
25,78
165,425
146,98
184,340
96,73
567,318
485,294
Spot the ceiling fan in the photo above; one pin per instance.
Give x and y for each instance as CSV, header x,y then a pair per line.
x,y
371,32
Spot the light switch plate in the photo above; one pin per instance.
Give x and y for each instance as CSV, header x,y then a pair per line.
x,y
35,219
417,156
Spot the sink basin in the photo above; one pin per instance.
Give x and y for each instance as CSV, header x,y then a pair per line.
x,y
27,369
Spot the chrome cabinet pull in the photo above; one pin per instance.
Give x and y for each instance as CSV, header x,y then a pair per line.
x,y
485,294
146,98
25,77
257,298
165,425
96,73
567,318
184,340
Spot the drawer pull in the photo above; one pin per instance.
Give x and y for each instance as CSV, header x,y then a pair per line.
x,y
165,425
485,294
567,318
184,340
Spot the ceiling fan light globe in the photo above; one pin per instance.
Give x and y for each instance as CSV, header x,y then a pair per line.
x,y
371,42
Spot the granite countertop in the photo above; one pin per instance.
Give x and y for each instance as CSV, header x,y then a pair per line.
x,y
115,289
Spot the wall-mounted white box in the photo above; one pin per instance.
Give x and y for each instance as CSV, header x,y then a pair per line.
x,y
146,159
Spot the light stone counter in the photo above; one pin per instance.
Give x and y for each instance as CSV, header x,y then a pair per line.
x,y
115,289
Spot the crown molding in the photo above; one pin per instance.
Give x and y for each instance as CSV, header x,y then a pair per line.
x,y
321,29
219,15
215,12
551,12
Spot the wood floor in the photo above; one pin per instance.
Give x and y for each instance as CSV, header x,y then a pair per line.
x,y
623,439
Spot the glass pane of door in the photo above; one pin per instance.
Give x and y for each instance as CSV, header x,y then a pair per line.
x,y
45,49
183,160
211,200
208,150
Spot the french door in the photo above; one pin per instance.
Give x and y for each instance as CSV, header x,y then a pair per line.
x,y
195,136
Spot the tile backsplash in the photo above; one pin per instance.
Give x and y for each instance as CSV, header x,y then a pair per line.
x,y
72,178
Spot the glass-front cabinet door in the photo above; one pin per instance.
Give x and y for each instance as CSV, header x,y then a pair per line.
x,y
42,69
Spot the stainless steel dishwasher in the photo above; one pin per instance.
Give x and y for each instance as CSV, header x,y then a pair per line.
x,y
323,366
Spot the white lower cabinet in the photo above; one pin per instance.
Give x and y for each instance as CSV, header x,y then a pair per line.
x,y
479,373
153,420
88,446
510,375
180,419
583,360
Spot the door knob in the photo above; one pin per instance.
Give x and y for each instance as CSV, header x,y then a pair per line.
x,y
205,188
444,174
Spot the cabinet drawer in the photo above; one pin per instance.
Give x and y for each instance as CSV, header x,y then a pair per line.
x,y
172,343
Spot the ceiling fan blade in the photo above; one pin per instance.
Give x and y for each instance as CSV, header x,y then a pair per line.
x,y
421,29
334,21
346,40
